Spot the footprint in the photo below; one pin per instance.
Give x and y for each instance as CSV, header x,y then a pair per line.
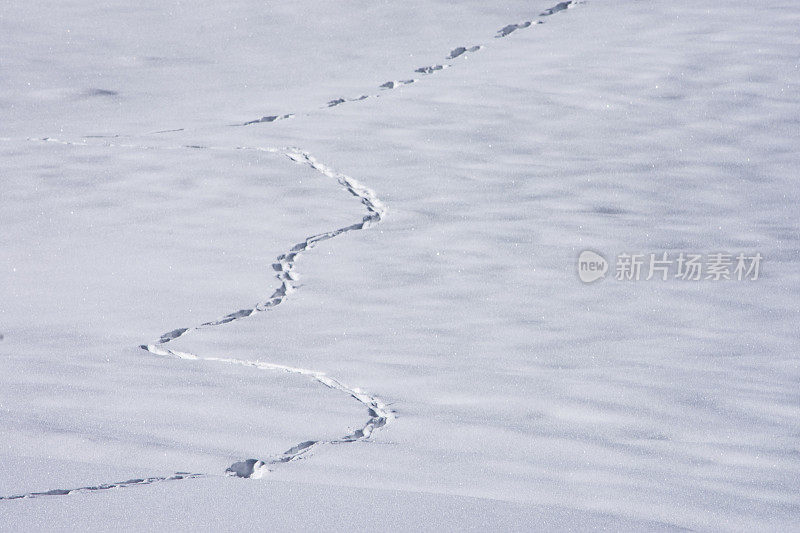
x,y
462,50
242,313
174,334
271,118
556,8
431,69
297,450
251,468
395,84
511,28
100,92
340,101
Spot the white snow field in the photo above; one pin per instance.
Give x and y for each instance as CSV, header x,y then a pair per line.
x,y
437,364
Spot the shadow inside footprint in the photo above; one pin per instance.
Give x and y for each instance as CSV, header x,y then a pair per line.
x,y
462,50
251,468
555,9
512,28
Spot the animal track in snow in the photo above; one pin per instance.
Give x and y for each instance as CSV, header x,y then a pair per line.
x,y
271,118
285,263
460,51
106,486
511,28
431,69
395,84
378,413
556,8
340,101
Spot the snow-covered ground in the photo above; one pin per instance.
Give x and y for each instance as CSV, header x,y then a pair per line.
x,y
451,368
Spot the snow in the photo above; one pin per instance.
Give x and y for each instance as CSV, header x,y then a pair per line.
x,y
522,398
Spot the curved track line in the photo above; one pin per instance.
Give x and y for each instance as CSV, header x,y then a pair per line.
x,y
285,263
379,414
456,53
106,486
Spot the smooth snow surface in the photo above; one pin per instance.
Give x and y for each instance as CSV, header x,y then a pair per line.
x,y
420,177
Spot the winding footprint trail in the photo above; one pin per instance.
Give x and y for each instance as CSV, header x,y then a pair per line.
x,y
455,53
379,415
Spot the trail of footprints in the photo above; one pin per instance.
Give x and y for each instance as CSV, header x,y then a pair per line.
x,y
458,52
284,265
106,486
379,415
